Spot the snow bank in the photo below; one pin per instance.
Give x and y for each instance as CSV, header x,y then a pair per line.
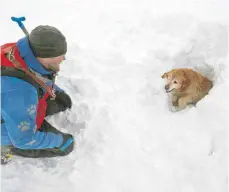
x,y
130,141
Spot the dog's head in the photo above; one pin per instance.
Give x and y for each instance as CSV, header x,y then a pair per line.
x,y
175,81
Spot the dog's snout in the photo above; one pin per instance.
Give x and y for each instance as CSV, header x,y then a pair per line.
x,y
167,87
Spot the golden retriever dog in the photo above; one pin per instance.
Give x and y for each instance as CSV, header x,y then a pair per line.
x,y
186,87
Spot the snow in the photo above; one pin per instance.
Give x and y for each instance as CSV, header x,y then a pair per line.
x,y
127,138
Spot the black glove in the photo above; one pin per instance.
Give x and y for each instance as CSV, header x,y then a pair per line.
x,y
67,145
60,103
66,148
64,99
68,142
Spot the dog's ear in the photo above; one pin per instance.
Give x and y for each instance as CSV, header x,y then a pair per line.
x,y
164,75
185,82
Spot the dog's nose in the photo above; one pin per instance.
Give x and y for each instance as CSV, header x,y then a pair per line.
x,y
167,87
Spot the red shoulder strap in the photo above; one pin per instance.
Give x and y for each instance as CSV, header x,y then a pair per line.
x,y
19,59
6,47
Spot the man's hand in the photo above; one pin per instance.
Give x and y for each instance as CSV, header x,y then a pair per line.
x,y
66,147
64,99
62,102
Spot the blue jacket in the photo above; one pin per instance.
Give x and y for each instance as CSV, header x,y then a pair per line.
x,y
19,101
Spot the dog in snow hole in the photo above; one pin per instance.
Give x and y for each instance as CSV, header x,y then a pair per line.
x,y
186,87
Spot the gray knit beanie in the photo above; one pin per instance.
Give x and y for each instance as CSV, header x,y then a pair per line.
x,y
46,41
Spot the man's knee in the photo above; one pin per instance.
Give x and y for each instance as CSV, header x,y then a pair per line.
x,y
65,148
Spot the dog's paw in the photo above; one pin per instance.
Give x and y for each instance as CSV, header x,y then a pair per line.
x,y
174,109
190,106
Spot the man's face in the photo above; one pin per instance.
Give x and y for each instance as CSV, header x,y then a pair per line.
x,y
52,64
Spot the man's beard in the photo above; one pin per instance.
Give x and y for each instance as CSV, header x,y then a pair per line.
x,y
51,69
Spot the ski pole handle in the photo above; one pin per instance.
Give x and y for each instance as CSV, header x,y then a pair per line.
x,y
19,20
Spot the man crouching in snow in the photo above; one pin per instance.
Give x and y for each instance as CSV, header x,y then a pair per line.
x,y
28,94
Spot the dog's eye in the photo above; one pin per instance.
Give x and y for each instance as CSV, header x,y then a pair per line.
x,y
175,82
